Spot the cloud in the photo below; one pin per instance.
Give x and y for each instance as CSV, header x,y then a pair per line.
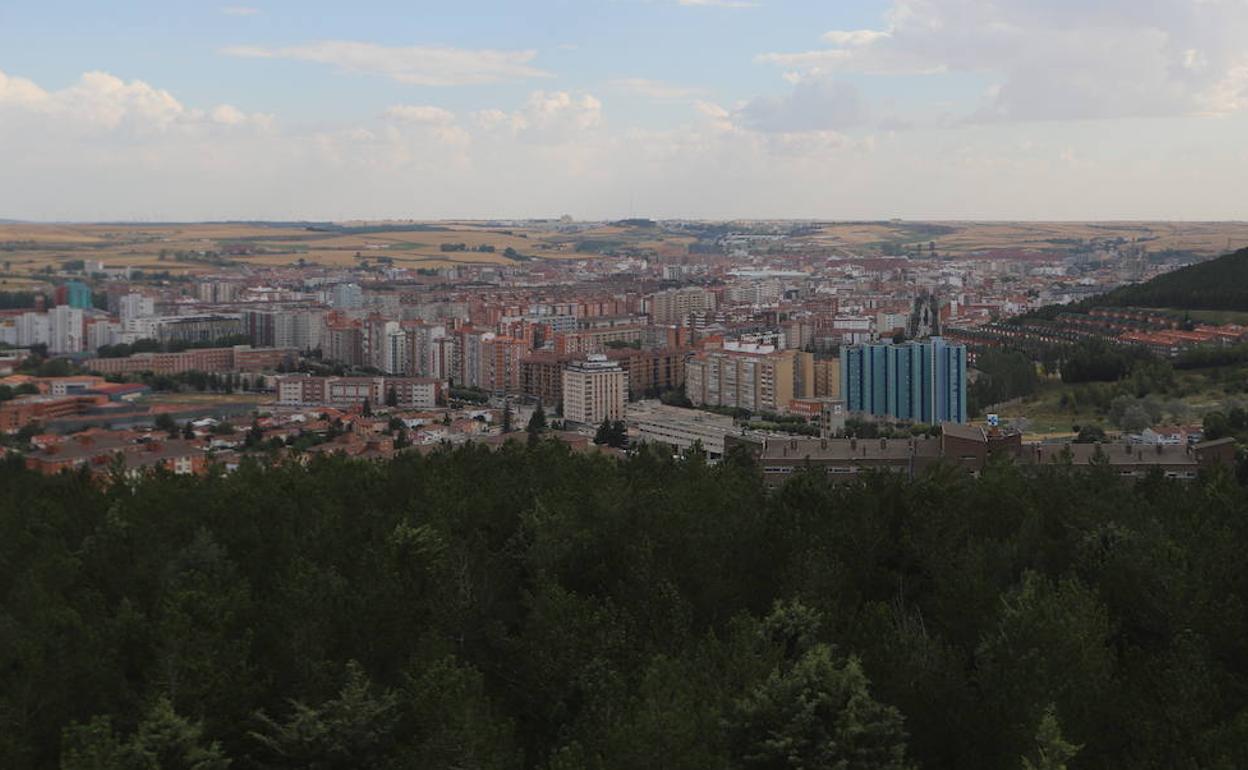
x,y
815,104
546,117
100,102
655,89
15,90
720,3
239,10
1062,59
421,114
856,37
104,148
414,65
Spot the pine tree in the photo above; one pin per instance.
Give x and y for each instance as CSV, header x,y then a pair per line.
x,y
1052,750
537,424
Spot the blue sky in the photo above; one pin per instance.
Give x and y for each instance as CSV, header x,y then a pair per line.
x,y
708,108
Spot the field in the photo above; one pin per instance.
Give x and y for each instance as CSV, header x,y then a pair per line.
x,y
959,238
27,249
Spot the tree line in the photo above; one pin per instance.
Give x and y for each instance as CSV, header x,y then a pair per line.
x,y
534,607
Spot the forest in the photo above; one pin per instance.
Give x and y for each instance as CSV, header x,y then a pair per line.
x,y
1217,284
535,607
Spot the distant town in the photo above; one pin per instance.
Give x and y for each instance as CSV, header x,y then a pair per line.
x,y
163,346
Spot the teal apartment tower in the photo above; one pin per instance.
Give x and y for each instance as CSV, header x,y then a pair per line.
x,y
916,381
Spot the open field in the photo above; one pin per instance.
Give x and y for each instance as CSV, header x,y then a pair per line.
x,y
31,248
957,238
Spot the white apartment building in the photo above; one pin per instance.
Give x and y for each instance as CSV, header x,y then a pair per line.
x,y
594,390
33,329
298,329
65,333
394,354
136,305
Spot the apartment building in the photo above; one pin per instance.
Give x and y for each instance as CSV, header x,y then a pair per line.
x,y
541,376
594,389
66,332
596,340
407,392
919,381
675,305
754,377
240,358
650,372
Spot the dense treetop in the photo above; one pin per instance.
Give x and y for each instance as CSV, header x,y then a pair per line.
x,y
1217,284
536,608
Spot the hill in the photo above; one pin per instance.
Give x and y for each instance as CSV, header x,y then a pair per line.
x,y
1218,284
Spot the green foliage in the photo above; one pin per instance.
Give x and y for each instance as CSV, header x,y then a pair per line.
x,y
164,741
533,607
537,423
1052,750
17,300
1003,375
353,729
612,434
1218,284
1090,434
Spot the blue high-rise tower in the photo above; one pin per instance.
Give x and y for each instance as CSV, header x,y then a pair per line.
x,y
916,381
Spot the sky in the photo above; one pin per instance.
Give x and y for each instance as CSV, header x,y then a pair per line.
x,y
830,109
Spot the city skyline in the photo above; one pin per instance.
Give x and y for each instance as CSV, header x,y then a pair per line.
x,y
942,109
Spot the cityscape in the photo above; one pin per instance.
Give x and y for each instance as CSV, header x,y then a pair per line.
x,y
766,331
624,385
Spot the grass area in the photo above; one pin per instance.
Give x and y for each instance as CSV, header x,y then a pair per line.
x,y
1057,407
1211,316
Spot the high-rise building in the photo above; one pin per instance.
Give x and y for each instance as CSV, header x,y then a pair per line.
x,y
395,349
66,332
298,328
421,339
500,364
918,381
33,329
594,389
347,296
675,305
75,294
754,377
136,305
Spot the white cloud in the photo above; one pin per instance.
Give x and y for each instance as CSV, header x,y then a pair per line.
x,y
720,3
815,104
14,90
104,148
239,10
856,37
415,65
1060,59
655,89
421,114
100,102
547,117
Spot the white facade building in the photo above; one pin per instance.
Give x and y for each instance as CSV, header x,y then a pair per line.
x,y
65,333
594,390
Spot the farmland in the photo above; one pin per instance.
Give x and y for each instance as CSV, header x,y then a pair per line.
x,y
27,249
